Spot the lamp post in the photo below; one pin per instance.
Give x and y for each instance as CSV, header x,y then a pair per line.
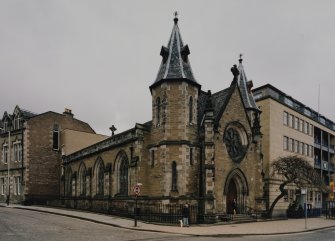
x,y
8,166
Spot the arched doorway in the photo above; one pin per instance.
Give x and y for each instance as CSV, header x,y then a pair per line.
x,y
231,196
236,187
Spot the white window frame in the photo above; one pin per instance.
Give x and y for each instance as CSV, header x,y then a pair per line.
x,y
17,122
17,146
17,185
3,186
5,153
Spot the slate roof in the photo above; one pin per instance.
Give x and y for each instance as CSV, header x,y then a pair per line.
x,y
27,114
216,102
202,99
175,63
243,82
219,100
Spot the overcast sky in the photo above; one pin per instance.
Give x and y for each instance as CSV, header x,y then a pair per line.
x,y
99,57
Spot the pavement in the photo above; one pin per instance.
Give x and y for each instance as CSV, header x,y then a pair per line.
x,y
268,227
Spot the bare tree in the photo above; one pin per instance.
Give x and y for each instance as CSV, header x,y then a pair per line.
x,y
294,170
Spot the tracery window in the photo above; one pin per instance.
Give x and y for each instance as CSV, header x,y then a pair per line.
x,y
82,180
123,171
68,183
100,179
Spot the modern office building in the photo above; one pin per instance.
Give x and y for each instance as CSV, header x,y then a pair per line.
x,y
291,128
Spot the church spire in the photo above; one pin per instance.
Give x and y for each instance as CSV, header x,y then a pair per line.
x,y
175,63
245,87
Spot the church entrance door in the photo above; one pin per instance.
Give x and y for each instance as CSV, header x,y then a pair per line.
x,y
231,195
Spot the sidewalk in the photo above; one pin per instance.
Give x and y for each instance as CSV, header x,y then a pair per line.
x,y
254,228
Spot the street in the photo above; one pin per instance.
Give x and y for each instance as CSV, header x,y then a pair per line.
x,y
19,225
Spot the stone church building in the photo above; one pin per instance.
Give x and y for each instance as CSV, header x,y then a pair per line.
x,y
200,147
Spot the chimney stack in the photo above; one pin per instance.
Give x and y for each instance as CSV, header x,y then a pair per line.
x,y
68,112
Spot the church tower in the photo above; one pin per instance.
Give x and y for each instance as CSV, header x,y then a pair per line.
x,y
174,117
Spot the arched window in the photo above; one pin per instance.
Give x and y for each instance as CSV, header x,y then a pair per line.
x,y
82,180
190,109
68,182
158,113
100,175
174,176
123,170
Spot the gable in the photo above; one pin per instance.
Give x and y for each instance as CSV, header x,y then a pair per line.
x,y
233,110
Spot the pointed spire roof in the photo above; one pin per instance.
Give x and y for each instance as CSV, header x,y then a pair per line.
x,y
175,63
245,88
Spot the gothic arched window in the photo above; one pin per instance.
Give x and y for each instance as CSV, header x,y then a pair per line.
x,y
158,113
123,171
82,180
68,182
174,176
100,178
190,109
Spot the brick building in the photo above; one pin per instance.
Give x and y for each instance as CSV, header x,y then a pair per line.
x,y
31,152
199,147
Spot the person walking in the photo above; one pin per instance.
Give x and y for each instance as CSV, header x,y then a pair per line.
x,y
186,215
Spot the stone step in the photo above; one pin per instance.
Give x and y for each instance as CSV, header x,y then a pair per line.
x,y
241,218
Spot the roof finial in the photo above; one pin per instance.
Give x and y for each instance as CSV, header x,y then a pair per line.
x,y
240,60
175,17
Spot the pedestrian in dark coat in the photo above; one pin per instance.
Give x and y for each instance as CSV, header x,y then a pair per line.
x,y
186,215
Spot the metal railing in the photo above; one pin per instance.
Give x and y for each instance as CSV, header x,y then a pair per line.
x,y
148,210
330,209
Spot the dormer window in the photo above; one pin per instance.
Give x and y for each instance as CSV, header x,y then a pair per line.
x,y
164,53
185,51
5,126
17,122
